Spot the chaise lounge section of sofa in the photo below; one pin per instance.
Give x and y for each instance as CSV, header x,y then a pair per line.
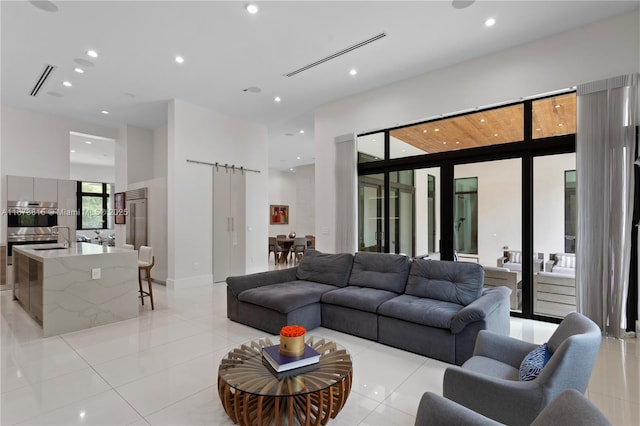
x,y
434,308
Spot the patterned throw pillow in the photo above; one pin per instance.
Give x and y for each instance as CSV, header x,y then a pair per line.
x,y
533,363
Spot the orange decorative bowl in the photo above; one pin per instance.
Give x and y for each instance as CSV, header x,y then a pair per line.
x,y
292,340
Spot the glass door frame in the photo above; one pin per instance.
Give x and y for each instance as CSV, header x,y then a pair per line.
x,y
526,150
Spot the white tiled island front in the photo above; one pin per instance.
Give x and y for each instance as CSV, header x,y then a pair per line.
x,y
59,287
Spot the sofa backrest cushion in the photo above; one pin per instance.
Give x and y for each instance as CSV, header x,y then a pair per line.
x,y
566,260
456,282
384,271
325,268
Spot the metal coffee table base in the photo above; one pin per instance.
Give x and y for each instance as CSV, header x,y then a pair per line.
x,y
314,408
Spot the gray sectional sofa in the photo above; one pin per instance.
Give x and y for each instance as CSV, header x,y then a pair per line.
x,y
434,308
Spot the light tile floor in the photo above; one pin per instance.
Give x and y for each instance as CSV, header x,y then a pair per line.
x,y
160,369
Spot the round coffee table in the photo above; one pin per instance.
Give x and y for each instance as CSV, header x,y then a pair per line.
x,y
252,394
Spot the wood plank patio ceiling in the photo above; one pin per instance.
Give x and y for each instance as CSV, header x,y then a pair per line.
x,y
551,117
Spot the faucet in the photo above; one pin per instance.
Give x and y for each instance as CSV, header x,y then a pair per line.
x,y
67,239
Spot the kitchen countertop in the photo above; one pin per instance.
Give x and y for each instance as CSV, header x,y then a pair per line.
x,y
78,249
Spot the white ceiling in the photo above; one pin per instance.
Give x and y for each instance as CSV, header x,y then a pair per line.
x,y
227,50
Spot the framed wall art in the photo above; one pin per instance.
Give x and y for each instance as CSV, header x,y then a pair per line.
x,y
279,214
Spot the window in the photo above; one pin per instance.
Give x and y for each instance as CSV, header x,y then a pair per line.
x,y
570,211
466,215
94,202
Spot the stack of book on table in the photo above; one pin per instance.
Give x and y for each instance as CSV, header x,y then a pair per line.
x,y
280,364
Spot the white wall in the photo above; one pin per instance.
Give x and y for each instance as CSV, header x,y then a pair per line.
x,y
305,200
282,191
92,173
160,145
593,52
140,156
499,206
548,202
35,144
200,134
296,190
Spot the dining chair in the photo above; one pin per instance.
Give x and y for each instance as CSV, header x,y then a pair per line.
x,y
146,260
299,246
275,248
128,246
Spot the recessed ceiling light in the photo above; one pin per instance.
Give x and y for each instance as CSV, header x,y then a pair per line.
x,y
179,59
92,53
444,142
495,134
538,129
301,131
79,70
291,169
67,83
252,8
404,150
277,99
87,142
560,124
490,22
482,120
373,140
556,106
457,142
104,111
424,131
437,130
353,71
73,150
297,158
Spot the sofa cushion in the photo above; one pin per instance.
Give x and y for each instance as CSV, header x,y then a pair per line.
x,y
285,297
566,260
384,271
332,269
361,298
455,282
434,313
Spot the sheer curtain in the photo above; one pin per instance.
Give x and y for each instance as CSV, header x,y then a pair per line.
x,y
346,190
605,187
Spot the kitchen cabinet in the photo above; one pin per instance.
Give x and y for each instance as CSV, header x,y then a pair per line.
x,y
25,188
45,189
19,188
228,223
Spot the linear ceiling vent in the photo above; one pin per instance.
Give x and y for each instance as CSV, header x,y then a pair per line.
x,y
48,69
335,55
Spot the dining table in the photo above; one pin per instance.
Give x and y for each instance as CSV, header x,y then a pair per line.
x,y
286,244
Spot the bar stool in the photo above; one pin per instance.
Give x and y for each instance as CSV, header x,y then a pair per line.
x,y
146,260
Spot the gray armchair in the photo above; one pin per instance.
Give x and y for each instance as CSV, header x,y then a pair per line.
x,y
488,382
569,408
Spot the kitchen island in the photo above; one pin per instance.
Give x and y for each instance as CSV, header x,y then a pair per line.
x,y
72,288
